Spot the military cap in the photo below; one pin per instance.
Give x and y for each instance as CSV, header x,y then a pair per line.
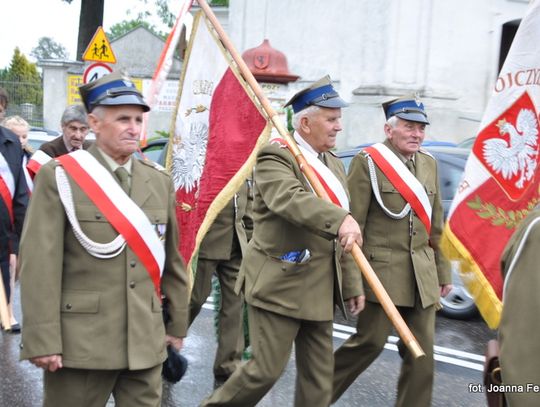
x,y
320,93
407,108
111,90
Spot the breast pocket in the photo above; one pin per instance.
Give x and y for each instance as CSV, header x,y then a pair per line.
x,y
94,224
391,197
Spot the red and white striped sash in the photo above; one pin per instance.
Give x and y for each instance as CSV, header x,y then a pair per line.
x,y
122,213
38,159
7,186
403,180
331,184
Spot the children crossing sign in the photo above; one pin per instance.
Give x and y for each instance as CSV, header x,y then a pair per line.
x,y
99,49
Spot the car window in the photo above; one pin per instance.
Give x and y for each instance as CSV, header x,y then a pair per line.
x,y
449,177
153,152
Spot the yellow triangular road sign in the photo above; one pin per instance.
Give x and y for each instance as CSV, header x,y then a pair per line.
x,y
99,49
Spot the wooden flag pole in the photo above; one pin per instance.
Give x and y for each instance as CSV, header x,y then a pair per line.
x,y
401,327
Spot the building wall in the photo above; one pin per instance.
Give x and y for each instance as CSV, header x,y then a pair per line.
x,y
447,51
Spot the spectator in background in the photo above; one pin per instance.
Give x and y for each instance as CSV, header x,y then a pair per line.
x,y
13,202
20,127
74,131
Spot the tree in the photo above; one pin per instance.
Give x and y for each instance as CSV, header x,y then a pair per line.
x,y
47,48
25,75
90,18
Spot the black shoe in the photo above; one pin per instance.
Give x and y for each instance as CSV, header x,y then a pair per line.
x,y
15,328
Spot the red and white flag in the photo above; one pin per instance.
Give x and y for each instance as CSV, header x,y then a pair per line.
x,y
501,179
218,130
165,63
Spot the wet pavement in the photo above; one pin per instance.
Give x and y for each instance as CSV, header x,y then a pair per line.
x,y
458,353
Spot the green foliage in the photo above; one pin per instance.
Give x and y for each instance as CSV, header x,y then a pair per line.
x,y
119,29
47,48
25,75
219,3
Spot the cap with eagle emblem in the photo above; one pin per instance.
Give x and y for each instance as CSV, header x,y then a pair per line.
x,y
407,107
320,93
112,90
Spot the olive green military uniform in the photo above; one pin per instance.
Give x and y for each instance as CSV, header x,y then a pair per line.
x,y
518,331
290,302
102,315
411,268
221,253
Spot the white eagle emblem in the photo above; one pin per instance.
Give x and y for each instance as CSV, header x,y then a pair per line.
x,y
518,156
189,156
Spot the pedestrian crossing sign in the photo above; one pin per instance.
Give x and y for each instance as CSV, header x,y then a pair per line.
x,y
99,49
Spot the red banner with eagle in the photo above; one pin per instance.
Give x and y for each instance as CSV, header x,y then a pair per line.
x,y
216,132
501,180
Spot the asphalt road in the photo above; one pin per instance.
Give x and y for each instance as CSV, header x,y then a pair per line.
x,y
459,350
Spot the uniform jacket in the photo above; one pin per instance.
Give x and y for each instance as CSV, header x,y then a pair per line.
x,y
518,331
57,147
98,313
288,216
10,148
233,222
403,256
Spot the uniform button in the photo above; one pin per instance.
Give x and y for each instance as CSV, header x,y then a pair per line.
x,y
132,263
371,256
69,306
283,268
98,215
412,251
327,225
414,232
132,284
21,345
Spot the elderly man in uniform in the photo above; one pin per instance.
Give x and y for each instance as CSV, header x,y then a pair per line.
x,y
401,241
519,321
98,259
295,268
220,253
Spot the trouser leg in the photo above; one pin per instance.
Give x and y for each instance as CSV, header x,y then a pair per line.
x,y
314,364
230,323
141,388
4,266
416,377
361,348
251,381
78,387
202,285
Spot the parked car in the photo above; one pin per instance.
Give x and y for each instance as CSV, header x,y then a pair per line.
x,y
458,304
37,137
467,143
156,150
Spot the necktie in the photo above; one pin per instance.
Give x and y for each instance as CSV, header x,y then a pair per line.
x,y
123,176
410,166
321,157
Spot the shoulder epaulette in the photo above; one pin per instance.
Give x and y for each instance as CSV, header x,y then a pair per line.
x,y
155,165
421,150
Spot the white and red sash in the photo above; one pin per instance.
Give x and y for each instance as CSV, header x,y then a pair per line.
x,y
122,213
27,175
7,186
331,184
38,159
403,180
